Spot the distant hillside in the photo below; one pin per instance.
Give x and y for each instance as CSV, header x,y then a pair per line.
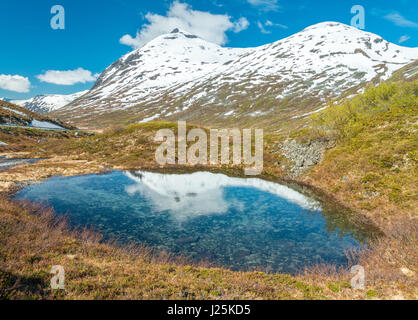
x,y
47,103
14,115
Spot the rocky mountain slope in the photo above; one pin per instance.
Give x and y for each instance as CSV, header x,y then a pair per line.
x,y
180,76
47,103
12,115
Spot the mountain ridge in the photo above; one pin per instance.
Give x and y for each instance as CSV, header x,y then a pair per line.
x,y
180,76
47,102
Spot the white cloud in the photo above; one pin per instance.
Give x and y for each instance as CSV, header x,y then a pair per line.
x,y
262,29
400,21
241,25
268,5
14,83
404,38
272,24
211,27
268,23
67,78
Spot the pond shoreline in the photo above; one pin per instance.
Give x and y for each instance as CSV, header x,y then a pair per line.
x,y
286,231
304,188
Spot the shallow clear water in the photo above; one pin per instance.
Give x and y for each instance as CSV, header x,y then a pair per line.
x,y
242,224
6,164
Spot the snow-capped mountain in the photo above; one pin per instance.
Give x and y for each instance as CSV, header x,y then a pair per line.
x,y
180,76
47,103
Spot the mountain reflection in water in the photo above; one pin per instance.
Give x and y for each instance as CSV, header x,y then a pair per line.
x,y
201,193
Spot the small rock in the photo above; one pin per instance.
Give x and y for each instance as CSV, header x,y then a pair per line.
x,y
407,272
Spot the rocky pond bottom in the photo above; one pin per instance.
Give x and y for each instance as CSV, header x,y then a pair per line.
x,y
240,224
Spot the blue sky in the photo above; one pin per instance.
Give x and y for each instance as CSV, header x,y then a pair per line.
x,y
36,59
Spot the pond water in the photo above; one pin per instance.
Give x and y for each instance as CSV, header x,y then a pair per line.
x,y
241,224
6,164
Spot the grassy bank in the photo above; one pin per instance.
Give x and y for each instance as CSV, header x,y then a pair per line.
x,y
374,165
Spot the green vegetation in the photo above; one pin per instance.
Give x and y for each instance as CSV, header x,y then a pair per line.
x,y
387,103
376,149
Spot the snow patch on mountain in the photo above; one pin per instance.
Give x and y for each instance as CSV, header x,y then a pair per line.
x,y
47,103
177,73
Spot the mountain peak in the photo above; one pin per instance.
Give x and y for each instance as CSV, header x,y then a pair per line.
x,y
48,102
179,32
329,24
172,39
181,75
